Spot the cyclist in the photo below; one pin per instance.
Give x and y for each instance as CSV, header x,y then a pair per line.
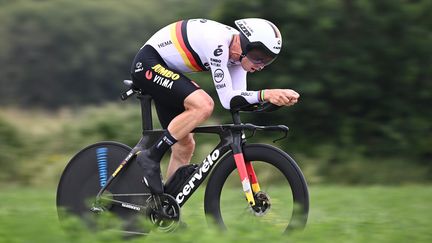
x,y
197,45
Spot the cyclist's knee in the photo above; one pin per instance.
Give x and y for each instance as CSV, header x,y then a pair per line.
x,y
201,102
207,108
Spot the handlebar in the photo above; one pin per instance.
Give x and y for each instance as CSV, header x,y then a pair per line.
x,y
249,126
254,128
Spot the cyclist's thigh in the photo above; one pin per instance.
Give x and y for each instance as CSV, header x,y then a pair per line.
x,y
168,87
167,113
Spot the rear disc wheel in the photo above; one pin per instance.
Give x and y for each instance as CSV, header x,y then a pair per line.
x,y
84,176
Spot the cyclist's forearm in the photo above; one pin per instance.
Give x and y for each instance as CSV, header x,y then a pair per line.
x,y
249,97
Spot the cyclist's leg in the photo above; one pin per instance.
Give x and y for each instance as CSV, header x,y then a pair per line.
x,y
187,119
198,108
181,154
186,103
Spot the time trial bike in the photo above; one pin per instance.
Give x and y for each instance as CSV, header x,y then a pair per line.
x,y
251,182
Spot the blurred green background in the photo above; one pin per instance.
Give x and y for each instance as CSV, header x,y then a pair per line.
x,y
363,69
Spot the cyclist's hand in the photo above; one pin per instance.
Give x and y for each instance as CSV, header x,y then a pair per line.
x,y
281,97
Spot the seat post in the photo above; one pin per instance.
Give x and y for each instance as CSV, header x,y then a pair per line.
x,y
236,117
146,113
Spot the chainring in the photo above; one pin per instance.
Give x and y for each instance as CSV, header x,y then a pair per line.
x,y
164,215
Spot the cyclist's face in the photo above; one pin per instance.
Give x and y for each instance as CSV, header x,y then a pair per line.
x,y
258,57
251,65
256,60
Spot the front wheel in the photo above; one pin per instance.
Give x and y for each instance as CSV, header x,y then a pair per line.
x,y
282,203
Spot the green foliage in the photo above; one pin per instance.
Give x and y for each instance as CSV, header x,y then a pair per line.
x,y
36,153
10,145
73,52
363,69
120,122
37,147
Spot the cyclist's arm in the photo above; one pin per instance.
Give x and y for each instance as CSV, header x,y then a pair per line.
x,y
229,82
238,77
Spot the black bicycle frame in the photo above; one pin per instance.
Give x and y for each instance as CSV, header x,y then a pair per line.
x,y
231,139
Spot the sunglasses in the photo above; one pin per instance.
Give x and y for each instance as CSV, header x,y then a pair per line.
x,y
259,57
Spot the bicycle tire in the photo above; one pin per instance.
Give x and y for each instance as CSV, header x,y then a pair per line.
x,y
82,179
270,156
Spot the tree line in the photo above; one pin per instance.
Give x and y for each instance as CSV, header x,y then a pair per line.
x,y
363,68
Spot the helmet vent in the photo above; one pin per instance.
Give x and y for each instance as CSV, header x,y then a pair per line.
x,y
276,31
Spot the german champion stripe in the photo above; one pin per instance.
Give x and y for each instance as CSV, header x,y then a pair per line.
x,y
179,37
195,55
178,47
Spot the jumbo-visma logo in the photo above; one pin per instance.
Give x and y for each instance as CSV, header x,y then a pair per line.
x,y
148,75
165,72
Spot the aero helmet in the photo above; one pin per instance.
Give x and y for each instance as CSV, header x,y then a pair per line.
x,y
260,40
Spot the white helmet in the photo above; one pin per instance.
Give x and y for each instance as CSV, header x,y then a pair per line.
x,y
260,35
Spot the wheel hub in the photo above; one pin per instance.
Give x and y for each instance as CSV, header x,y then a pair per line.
x,y
262,204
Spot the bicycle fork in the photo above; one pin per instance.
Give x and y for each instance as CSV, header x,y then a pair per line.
x,y
247,175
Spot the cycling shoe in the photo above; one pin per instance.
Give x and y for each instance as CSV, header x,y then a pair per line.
x,y
174,183
152,172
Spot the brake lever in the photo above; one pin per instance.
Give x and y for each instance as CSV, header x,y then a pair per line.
x,y
282,138
285,135
253,134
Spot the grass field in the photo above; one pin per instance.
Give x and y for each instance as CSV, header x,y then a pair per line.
x,y
337,214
